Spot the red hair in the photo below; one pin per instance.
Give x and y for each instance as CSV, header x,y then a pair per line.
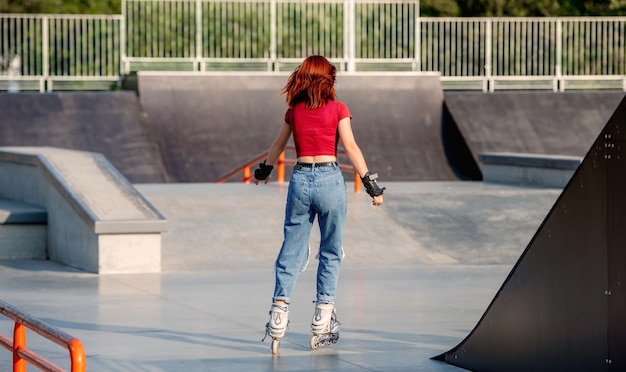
x,y
313,82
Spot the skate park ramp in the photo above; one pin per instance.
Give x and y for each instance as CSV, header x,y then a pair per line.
x,y
199,127
522,122
108,123
562,305
209,124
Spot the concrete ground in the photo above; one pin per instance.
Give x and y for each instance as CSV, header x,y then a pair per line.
x,y
418,274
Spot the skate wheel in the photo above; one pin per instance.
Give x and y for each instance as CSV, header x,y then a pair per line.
x,y
275,343
313,343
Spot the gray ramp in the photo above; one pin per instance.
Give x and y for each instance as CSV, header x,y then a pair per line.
x,y
109,123
524,122
397,122
562,306
210,124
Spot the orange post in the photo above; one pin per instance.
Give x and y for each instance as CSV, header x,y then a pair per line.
x,y
246,174
22,355
77,355
357,182
19,343
280,171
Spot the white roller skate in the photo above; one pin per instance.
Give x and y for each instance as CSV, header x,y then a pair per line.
x,y
275,328
324,326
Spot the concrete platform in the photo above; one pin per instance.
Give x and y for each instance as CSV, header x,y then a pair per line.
x,y
418,274
96,220
23,230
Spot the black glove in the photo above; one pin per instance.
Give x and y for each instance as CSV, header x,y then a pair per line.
x,y
372,188
263,171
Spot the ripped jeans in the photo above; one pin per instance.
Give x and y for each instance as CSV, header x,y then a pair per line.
x,y
313,191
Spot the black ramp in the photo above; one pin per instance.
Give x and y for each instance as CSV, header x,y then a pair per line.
x,y
397,123
211,124
562,307
109,123
525,122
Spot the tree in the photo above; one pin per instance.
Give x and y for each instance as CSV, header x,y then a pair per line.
x,y
523,8
61,6
428,8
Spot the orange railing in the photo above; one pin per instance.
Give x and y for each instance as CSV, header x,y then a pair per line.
x,y
280,168
22,355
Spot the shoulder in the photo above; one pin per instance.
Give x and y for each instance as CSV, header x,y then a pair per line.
x,y
338,104
341,105
342,109
289,115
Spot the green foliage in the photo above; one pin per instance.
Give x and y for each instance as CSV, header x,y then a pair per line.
x,y
61,6
322,20
439,8
522,8
428,8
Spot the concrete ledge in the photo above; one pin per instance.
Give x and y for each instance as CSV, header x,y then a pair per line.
x,y
23,242
22,231
12,212
528,169
97,221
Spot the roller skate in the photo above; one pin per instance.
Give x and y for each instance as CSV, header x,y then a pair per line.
x,y
324,326
277,325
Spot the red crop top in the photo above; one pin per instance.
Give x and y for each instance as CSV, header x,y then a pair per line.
x,y
315,131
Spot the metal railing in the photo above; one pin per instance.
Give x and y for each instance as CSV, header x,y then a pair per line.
x,y
22,355
40,51
526,53
244,172
47,52
269,34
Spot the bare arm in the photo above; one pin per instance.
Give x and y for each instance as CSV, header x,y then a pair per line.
x,y
353,151
350,146
277,148
279,144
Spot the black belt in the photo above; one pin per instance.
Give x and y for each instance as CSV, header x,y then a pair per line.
x,y
316,165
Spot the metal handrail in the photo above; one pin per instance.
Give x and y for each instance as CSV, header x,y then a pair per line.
x,y
22,355
280,168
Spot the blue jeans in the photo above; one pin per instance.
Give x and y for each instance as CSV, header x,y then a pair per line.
x,y
321,192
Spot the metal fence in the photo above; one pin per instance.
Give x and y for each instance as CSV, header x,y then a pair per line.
x,y
39,52
526,53
47,52
268,35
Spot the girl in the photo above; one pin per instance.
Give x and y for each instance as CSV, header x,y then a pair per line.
x,y
317,188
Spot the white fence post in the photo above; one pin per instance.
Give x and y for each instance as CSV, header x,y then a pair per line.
x,y
124,66
488,84
417,65
45,84
271,64
199,53
351,37
559,56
